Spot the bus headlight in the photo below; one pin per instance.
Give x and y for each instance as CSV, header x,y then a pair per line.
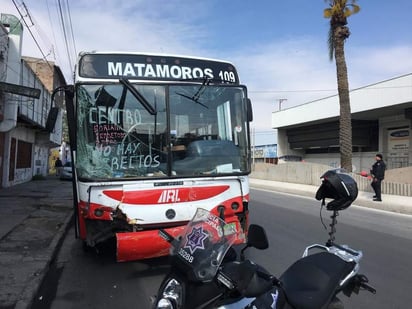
x,y
172,295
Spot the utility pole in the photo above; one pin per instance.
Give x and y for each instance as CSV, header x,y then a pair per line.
x,y
253,147
280,103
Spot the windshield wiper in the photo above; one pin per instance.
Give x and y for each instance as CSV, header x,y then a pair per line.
x,y
192,98
138,96
195,98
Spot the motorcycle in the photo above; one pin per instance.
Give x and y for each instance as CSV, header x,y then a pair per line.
x,y
207,272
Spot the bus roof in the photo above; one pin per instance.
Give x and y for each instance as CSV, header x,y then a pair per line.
x,y
153,67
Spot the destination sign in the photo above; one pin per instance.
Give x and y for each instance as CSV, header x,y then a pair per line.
x,y
149,67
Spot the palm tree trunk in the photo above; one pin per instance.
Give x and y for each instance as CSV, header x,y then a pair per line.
x,y
345,125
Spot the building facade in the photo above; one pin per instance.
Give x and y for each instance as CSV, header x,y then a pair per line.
x,y
381,122
30,123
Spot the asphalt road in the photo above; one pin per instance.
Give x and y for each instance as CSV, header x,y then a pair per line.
x,y
84,280
385,239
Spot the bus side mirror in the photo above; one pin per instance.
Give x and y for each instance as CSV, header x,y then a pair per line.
x,y
52,118
249,110
71,120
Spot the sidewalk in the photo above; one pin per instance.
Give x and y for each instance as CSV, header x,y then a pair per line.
x,y
33,218
393,203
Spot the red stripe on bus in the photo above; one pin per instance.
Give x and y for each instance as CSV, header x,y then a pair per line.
x,y
165,196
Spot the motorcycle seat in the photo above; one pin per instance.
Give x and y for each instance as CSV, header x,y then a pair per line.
x,y
311,282
246,278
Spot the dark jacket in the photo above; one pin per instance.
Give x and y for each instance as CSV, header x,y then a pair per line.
x,y
378,169
58,163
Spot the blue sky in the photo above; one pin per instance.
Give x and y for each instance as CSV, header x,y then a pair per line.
x,y
279,47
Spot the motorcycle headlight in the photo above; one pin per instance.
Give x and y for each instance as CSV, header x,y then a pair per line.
x,y
171,297
165,303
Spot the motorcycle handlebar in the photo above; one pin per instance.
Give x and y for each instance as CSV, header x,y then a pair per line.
x,y
368,288
363,283
267,277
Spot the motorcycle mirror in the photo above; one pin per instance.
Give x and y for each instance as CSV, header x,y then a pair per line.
x,y
257,237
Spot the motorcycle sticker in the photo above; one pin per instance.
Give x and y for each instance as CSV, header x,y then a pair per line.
x,y
195,240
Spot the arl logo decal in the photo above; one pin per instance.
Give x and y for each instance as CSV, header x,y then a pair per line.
x,y
169,196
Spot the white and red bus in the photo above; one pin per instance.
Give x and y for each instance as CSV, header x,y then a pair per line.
x,y
153,138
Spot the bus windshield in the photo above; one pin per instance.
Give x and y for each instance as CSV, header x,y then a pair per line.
x,y
127,130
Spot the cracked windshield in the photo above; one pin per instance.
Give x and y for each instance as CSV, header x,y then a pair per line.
x,y
127,130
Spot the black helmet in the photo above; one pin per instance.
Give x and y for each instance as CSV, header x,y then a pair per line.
x,y
338,186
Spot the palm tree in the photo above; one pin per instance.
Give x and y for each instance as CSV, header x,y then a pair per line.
x,y
338,12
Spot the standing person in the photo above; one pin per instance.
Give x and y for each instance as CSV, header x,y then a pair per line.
x,y
378,174
58,165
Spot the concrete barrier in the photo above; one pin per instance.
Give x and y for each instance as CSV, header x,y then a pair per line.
x,y
309,174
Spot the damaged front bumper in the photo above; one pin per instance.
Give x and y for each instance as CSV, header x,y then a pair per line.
x,y
144,244
133,242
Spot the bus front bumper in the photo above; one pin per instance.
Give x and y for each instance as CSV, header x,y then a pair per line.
x,y
140,245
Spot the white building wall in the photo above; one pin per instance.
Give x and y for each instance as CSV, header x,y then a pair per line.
x,y
40,160
361,161
3,52
283,148
388,94
13,77
34,113
385,94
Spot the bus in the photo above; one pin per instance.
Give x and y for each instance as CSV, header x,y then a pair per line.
x,y
154,137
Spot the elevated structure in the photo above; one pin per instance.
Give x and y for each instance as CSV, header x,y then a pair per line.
x,y
381,122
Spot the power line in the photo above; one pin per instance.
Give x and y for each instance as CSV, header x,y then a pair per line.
x,y
42,34
52,29
67,30
29,29
71,27
325,90
292,91
64,33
